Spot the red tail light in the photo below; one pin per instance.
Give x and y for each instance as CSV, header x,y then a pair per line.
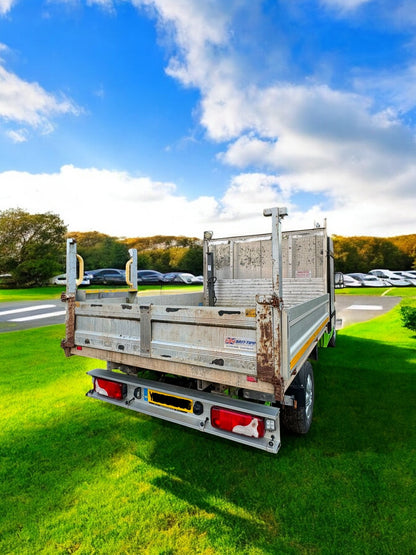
x,y
115,390
237,422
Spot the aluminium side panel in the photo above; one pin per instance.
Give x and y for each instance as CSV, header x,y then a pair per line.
x,y
302,326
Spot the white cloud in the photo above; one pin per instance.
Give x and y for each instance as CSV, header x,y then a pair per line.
x,y
344,5
356,164
111,202
18,135
319,140
397,87
3,48
29,104
107,5
5,6
120,204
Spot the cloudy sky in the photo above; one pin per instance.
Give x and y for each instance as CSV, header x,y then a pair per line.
x,y
143,117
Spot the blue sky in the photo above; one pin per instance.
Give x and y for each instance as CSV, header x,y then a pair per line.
x,y
143,117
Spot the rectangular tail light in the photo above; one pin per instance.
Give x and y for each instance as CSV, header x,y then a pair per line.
x,y
107,388
237,422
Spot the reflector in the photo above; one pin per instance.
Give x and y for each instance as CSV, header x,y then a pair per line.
x,y
115,390
237,422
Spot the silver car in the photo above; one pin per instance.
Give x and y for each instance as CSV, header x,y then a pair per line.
x,y
408,276
349,281
390,278
61,280
368,280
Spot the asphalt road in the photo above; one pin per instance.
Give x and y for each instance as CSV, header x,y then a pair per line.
x,y
31,314
353,309
24,315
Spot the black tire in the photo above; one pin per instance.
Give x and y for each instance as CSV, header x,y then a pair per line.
x,y
299,420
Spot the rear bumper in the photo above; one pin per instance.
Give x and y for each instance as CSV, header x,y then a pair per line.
x,y
189,407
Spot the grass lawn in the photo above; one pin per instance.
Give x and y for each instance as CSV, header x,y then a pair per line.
x,y
55,291
80,476
378,291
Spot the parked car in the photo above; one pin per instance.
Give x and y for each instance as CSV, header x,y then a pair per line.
x,y
407,275
149,277
368,280
61,280
339,280
106,276
349,281
390,278
179,277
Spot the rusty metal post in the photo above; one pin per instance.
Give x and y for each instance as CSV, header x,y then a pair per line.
x,y
269,316
277,215
69,296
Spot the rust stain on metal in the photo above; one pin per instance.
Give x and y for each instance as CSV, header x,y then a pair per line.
x,y
279,389
265,367
268,349
69,340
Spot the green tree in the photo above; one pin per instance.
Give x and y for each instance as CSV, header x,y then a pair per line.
x,y
143,261
192,260
408,315
159,260
32,246
99,250
346,255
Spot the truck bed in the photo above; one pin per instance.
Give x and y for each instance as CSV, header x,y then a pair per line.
x,y
176,334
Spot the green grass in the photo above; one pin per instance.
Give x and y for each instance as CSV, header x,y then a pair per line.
x,y
80,476
378,291
55,291
31,294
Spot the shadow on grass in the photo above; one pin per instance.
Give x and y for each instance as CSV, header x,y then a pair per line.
x,y
359,451
346,486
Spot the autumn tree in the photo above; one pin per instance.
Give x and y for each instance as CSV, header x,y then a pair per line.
x,y
167,253
361,254
32,246
407,244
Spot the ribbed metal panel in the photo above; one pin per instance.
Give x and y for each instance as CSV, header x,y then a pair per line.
x,y
297,291
242,292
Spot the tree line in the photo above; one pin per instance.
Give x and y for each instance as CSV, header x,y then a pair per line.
x,y
32,250
362,254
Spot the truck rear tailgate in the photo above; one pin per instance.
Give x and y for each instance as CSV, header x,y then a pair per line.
x,y
216,337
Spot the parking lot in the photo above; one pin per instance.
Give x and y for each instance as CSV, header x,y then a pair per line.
x,y
354,309
30,314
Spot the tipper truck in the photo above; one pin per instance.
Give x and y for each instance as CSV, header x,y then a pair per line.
x,y
233,359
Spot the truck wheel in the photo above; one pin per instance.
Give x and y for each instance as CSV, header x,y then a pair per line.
x,y
299,420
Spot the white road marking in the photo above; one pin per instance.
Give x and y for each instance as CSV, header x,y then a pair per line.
x,y
38,316
364,307
28,309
